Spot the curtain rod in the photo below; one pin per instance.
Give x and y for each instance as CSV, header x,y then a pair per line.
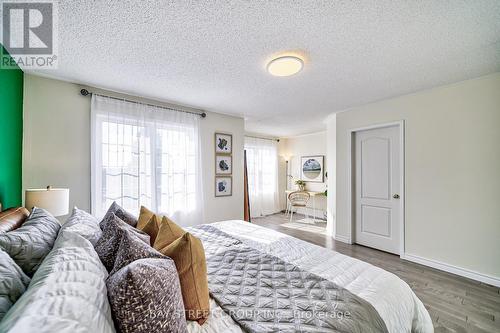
x,y
258,137
85,92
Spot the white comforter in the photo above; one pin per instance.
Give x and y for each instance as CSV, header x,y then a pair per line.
x,y
396,303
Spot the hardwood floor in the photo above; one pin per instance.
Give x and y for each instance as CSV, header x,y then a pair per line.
x,y
456,304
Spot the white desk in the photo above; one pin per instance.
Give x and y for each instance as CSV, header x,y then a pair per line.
x,y
313,195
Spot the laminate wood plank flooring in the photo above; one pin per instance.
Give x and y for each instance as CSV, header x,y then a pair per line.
x,y
455,303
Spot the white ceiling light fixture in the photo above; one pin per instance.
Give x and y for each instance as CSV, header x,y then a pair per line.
x,y
285,66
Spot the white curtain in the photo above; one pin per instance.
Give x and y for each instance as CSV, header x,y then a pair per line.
x,y
146,155
262,166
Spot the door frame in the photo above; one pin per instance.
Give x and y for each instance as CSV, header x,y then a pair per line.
x,y
350,180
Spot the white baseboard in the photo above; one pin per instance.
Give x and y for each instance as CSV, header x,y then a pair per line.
x,y
492,280
342,239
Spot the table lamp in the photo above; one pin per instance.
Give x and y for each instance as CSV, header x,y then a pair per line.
x,y
53,200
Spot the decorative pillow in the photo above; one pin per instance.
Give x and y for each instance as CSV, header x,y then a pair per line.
x,y
84,224
67,294
13,284
145,297
121,213
144,217
132,248
107,246
151,228
29,244
189,257
168,232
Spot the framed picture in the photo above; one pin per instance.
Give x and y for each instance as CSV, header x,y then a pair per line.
x,y
223,186
223,164
312,169
223,143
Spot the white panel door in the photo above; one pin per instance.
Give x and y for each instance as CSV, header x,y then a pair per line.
x,y
378,186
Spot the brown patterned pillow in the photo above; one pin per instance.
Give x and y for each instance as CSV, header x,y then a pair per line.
x,y
145,297
107,246
132,248
189,257
121,213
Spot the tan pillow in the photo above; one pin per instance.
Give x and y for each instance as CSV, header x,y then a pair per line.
x,y
144,217
168,232
151,228
189,257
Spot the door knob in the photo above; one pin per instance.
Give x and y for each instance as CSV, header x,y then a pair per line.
x,y
396,196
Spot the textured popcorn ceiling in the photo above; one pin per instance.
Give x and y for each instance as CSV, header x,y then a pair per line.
x,y
212,54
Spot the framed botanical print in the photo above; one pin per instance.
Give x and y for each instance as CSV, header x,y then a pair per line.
x,y
312,169
223,143
223,186
223,164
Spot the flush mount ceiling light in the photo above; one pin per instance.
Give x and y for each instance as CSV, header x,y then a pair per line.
x,y
285,66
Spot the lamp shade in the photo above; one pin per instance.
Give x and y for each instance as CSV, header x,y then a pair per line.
x,y
53,200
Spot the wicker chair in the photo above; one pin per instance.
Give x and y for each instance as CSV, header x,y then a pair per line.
x,y
298,199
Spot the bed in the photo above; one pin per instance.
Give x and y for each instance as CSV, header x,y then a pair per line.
x,y
391,297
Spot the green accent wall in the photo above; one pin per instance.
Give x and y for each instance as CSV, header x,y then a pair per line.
x,y
11,135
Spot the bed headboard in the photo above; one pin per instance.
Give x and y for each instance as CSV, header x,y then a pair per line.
x,y
13,218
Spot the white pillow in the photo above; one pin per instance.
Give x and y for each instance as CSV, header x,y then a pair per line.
x,y
67,294
84,224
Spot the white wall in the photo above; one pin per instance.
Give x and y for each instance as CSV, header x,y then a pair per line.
x,y
295,148
452,171
56,147
222,208
331,166
56,138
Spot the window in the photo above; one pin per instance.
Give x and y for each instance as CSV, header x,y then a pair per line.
x,y
262,167
145,155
